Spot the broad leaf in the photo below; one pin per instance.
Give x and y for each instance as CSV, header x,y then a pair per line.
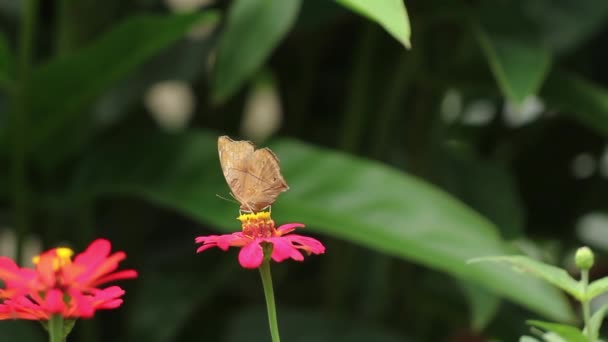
x,y
595,323
517,57
253,30
551,274
569,333
390,14
597,287
360,201
582,99
60,90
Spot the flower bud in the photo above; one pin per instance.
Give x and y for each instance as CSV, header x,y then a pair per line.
x,y
584,258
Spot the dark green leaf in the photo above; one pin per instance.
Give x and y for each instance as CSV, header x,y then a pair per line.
x,y
360,201
60,90
582,99
253,30
390,14
569,333
517,57
551,274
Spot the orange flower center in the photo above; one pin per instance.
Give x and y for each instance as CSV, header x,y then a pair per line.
x,y
62,256
258,225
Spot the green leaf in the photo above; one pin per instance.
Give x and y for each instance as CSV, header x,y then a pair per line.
x,y
60,90
253,30
580,98
390,14
361,201
595,323
6,62
597,287
517,58
569,333
484,305
527,339
551,274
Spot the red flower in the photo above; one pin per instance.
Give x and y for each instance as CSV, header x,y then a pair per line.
x,y
258,230
59,285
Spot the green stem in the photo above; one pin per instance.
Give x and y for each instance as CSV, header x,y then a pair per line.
x,y
585,302
56,329
20,124
270,305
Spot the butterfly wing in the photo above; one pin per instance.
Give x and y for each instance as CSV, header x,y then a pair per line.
x,y
263,182
234,157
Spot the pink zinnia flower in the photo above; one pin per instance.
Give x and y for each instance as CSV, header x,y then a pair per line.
x,y
60,285
258,231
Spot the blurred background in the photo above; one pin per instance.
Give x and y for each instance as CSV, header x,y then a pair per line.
x,y
482,133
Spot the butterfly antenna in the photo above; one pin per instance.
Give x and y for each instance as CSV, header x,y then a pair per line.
x,y
226,199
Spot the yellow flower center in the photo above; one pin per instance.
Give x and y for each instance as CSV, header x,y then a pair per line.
x,y
257,225
63,256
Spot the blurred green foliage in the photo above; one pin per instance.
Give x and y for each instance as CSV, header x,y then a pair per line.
x,y
480,134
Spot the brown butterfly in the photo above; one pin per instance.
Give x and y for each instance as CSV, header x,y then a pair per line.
x,y
254,176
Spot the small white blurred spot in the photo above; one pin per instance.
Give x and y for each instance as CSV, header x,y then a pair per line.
x,y
451,106
479,113
182,6
8,243
583,166
171,103
592,229
201,31
32,246
516,115
263,112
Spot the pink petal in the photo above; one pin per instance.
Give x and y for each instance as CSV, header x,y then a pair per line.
x,y
54,301
306,243
205,247
251,255
283,249
234,239
96,252
222,241
289,227
81,304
